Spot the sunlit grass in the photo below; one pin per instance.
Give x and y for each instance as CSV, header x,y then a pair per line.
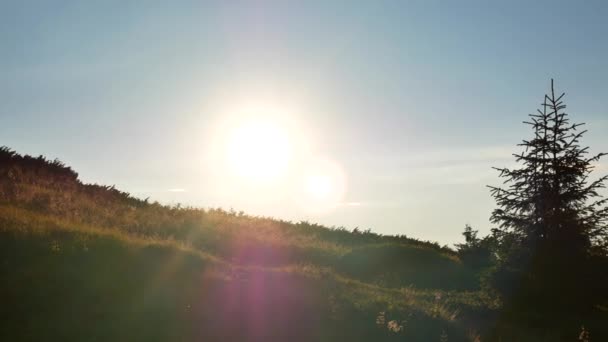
x,y
78,249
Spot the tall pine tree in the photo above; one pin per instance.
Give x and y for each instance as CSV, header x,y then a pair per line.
x,y
551,220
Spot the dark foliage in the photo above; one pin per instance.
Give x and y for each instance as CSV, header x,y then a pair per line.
x,y
395,265
476,253
552,226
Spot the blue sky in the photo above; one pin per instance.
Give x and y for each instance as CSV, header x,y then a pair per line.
x,y
414,100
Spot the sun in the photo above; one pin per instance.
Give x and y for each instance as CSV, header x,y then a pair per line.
x,y
259,150
319,187
262,153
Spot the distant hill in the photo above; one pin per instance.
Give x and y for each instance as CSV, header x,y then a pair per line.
x,y
90,262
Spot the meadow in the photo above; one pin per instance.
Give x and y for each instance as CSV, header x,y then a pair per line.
x,y
89,262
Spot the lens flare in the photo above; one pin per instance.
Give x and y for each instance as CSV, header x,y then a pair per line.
x,y
322,186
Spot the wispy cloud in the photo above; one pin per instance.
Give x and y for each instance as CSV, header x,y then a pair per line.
x,y
370,204
459,156
177,190
450,166
351,204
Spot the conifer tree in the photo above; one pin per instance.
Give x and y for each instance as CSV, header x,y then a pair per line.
x,y
551,219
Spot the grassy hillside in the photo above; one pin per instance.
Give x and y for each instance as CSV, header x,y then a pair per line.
x,y
91,263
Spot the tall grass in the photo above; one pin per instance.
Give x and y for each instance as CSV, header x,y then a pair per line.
x,y
53,189
86,262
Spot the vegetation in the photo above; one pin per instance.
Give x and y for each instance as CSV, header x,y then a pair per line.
x,y
87,262
552,232
127,269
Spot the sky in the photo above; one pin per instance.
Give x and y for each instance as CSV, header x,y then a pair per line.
x,y
406,105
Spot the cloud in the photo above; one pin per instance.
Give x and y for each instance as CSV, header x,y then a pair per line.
x,y
454,166
465,156
177,190
386,204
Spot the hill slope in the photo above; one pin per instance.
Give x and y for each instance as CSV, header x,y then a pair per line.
x,y
89,262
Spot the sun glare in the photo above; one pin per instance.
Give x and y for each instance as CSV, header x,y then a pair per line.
x,y
259,150
261,153
319,186
324,186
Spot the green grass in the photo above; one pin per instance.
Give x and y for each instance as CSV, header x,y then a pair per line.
x,y
67,282
86,262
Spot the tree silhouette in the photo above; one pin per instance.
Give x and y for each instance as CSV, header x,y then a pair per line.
x,y
551,220
475,252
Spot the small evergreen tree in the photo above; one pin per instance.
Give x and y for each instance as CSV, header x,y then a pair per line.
x,y
551,219
476,253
